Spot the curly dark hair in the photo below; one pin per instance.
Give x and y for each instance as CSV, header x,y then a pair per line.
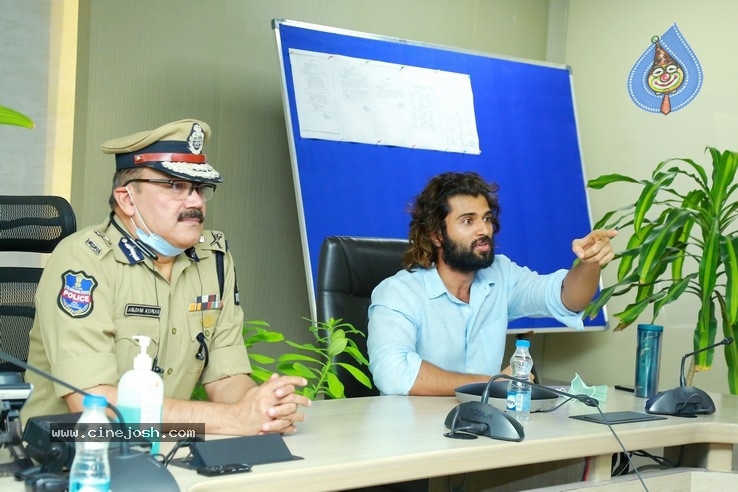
x,y
431,207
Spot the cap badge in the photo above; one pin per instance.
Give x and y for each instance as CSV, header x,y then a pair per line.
x,y
196,139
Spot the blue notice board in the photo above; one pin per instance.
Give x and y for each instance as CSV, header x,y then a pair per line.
x,y
529,144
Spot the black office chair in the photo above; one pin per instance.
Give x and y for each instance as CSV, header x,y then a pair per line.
x,y
33,224
348,270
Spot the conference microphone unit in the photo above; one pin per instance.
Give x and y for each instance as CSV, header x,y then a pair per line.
x,y
587,400
684,401
130,471
478,418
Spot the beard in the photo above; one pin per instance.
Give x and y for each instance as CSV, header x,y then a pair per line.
x,y
463,259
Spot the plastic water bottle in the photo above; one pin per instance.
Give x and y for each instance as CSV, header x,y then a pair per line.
x,y
518,394
90,471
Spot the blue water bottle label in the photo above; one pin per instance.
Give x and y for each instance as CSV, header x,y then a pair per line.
x,y
90,485
511,401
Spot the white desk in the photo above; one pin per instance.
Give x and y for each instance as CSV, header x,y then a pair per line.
x,y
365,441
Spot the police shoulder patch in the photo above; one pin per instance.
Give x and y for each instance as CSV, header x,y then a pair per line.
x,y
75,296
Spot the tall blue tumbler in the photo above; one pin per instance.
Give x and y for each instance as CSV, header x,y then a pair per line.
x,y
648,360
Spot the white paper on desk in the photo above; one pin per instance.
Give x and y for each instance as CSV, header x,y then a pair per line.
x,y
358,100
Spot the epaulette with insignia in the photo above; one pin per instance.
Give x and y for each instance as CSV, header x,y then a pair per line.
x,y
97,242
131,251
214,240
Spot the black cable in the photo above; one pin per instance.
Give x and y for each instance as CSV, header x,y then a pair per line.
x,y
586,399
622,446
621,464
170,455
660,460
466,432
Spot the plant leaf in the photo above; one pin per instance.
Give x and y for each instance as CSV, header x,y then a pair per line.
x,y
602,181
297,369
334,386
304,346
336,347
634,248
261,358
649,260
723,174
674,291
259,374
297,357
647,197
356,354
12,117
357,374
730,259
709,263
704,335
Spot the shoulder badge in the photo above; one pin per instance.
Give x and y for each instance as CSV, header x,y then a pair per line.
x,y
75,297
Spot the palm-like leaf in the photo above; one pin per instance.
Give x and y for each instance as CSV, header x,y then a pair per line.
x,y
12,117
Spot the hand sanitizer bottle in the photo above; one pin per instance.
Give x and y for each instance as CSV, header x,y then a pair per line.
x,y
141,396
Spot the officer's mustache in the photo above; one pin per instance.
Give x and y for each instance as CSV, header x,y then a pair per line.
x,y
192,214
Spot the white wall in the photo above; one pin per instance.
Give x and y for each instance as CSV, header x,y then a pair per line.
x,y
604,41
24,64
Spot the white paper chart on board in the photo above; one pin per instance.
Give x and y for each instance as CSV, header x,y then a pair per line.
x,y
350,99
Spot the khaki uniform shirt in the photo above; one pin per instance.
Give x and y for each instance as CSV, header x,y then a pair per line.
x,y
98,290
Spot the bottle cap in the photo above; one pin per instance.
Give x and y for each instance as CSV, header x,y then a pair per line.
x,y
94,401
142,361
650,327
522,343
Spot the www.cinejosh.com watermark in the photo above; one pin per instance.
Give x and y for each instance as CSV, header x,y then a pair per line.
x,y
131,432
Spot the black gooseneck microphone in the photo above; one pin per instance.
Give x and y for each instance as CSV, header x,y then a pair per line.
x,y
682,378
130,471
684,401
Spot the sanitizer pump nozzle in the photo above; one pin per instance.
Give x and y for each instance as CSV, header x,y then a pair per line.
x,y
142,361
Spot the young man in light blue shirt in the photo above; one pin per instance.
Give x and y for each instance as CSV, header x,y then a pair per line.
x,y
442,322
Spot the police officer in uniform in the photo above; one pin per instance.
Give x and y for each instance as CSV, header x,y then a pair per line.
x,y
150,269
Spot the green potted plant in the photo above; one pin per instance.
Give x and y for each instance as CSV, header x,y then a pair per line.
x,y
12,117
312,361
684,239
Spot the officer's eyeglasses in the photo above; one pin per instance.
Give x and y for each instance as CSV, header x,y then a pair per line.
x,y
180,189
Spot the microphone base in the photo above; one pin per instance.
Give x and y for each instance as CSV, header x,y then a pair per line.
x,y
682,401
498,424
139,472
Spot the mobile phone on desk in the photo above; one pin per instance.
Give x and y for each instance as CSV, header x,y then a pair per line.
x,y
218,470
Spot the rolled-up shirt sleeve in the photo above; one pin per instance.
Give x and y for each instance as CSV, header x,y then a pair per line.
x,y
536,295
392,340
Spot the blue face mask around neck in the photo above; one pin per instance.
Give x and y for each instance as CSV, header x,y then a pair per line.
x,y
158,243
152,239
